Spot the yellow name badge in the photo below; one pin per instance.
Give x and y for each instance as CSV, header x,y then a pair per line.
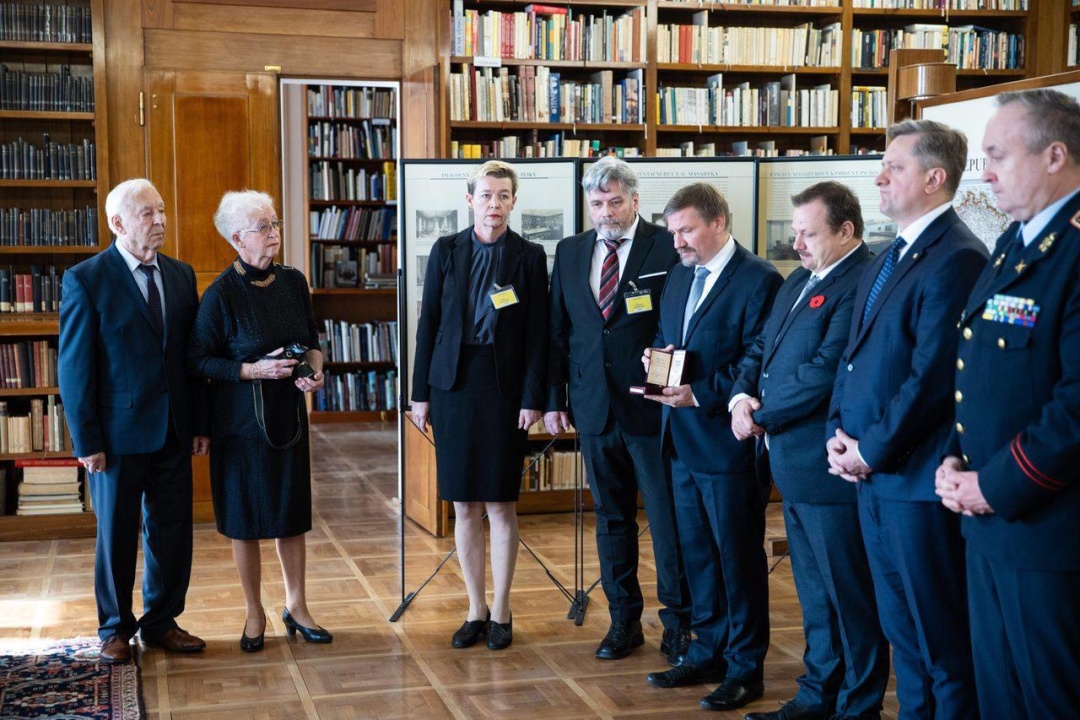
x,y
638,302
503,297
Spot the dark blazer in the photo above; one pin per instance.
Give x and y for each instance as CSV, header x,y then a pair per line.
x,y
121,382
1018,402
720,333
894,388
520,330
791,369
600,360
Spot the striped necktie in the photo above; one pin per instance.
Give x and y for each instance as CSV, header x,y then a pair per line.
x,y
883,275
609,277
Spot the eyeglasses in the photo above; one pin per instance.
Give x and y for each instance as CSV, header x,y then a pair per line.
x,y
265,228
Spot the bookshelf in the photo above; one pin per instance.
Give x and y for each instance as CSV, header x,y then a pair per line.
x,y
342,142
714,76
53,180
423,506
1072,43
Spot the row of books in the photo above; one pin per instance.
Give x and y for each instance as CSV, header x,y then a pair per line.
x,y
43,429
819,145
719,5
46,227
350,266
804,45
339,101
45,23
22,160
37,291
344,341
358,391
537,94
27,364
354,223
869,106
943,4
966,46
549,32
58,91
339,181
552,470
1073,57
776,104
531,146
368,140
51,487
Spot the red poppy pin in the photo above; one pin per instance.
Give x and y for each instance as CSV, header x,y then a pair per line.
x,y
817,301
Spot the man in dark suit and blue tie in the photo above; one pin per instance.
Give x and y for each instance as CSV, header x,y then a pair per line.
x,y
134,417
605,296
1014,453
892,411
782,397
714,307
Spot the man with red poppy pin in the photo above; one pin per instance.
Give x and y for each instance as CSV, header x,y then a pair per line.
x,y
781,397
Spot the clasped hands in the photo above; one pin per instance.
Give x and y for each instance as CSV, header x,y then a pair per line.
x,y
844,458
677,396
421,416
959,489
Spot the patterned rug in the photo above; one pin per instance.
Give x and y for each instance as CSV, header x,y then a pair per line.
x,y
63,679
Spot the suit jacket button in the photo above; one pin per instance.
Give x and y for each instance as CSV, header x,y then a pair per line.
x,y
960,428
607,332
765,375
967,333
1001,343
607,364
959,364
959,396
850,367
967,460
763,393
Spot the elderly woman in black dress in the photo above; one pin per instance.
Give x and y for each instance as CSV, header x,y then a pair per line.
x,y
479,378
245,339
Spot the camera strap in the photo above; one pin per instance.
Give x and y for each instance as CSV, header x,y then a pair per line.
x,y
260,416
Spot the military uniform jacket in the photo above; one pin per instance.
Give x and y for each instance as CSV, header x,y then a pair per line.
x,y
1018,399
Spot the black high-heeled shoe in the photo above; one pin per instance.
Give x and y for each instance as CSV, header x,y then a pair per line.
x,y
252,644
500,635
469,632
312,635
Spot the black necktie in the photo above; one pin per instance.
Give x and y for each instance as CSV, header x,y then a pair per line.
x,y
153,298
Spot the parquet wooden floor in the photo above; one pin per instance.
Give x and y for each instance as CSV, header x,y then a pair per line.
x,y
374,668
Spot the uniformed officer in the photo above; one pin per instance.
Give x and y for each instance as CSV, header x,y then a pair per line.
x,y
1014,454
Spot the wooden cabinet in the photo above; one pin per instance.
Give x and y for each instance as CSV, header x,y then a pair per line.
x,y
53,182
712,73
341,159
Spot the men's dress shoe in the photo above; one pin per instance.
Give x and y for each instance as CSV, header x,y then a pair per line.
x,y
620,641
789,711
732,695
311,634
116,649
685,674
500,635
467,635
176,640
675,645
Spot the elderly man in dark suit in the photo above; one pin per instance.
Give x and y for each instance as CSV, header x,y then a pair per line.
x,y
782,397
713,308
605,296
1014,453
130,405
892,411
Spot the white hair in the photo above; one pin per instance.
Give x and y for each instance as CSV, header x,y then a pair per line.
x,y
121,197
236,210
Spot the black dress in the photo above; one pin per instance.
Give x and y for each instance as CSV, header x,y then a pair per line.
x,y
258,491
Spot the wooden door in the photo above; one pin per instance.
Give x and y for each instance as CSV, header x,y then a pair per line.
x,y
209,132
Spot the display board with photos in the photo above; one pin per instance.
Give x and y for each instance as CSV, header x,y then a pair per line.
x,y
969,111
780,178
659,178
434,204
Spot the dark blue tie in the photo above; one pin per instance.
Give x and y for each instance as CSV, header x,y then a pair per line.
x,y
883,276
696,289
153,298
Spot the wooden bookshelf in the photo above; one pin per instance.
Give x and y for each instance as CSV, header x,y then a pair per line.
x,y
649,137
64,115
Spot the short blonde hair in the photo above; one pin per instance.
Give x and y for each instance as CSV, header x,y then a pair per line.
x,y
236,209
495,169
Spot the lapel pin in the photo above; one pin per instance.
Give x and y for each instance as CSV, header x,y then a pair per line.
x,y
1000,259
1020,267
1048,242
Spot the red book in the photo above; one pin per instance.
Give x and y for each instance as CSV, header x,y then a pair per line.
x,y
545,9
46,462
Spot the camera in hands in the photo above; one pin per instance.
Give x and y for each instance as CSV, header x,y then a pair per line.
x,y
295,351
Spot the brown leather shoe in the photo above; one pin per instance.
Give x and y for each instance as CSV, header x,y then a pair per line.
x,y
176,640
116,650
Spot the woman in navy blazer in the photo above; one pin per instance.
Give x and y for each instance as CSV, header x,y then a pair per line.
x,y
479,378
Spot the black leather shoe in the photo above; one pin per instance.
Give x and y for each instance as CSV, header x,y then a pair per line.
x,y
252,644
469,632
675,645
620,641
732,695
685,674
500,635
312,635
789,711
